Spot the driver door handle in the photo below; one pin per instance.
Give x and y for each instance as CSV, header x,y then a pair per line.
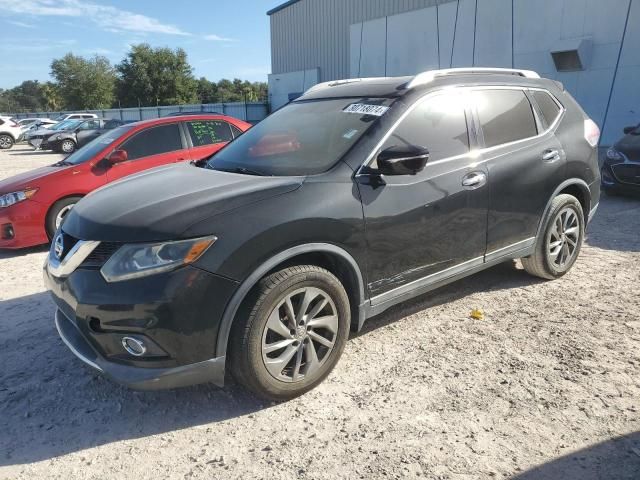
x,y
474,180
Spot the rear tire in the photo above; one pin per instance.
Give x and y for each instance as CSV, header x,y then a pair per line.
x,y
6,141
560,240
290,333
56,214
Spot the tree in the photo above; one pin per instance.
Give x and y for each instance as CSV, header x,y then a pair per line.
x,y
207,91
156,76
84,83
50,95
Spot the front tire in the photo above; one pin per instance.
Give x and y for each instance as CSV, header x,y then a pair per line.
x,y
6,142
291,332
67,146
56,214
558,244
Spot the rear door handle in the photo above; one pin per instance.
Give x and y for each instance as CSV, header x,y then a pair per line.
x,y
474,180
551,156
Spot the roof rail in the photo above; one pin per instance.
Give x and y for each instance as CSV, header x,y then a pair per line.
x,y
429,76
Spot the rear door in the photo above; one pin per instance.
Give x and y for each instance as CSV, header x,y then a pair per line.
x,y
525,163
207,137
152,147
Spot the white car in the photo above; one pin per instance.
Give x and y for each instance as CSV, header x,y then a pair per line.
x,y
27,123
74,116
10,133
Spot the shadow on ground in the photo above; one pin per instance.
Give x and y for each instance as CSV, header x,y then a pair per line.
x,y
52,404
615,459
6,253
616,224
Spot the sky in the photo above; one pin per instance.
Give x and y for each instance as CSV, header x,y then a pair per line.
x,y
222,38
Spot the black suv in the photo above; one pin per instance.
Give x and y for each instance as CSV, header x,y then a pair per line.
x,y
357,196
621,168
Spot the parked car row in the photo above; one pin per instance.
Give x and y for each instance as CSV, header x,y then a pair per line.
x,y
33,204
70,134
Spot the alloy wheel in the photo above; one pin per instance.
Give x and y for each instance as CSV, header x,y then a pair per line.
x,y
63,213
300,334
5,142
68,146
563,239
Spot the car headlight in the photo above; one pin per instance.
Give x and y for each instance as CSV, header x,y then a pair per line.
x,y
142,259
613,154
12,198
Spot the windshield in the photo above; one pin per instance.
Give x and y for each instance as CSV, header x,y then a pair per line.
x,y
94,147
302,138
67,124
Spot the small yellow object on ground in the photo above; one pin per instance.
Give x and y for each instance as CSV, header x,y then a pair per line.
x,y
477,314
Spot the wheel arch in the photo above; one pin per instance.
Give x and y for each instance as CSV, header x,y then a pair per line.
x,y
335,259
573,186
69,195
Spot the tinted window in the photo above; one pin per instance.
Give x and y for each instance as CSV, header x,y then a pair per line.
x,y
236,131
109,124
90,125
302,138
154,141
438,123
548,107
505,116
207,132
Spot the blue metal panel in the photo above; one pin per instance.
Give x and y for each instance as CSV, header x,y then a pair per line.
x,y
374,56
493,34
463,44
355,44
446,27
412,42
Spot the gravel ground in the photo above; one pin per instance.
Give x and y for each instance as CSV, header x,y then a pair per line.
x,y
546,386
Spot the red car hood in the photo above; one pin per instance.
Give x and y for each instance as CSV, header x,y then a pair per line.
x,y
28,179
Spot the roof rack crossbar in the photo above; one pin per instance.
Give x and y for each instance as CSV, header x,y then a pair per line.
x,y
428,77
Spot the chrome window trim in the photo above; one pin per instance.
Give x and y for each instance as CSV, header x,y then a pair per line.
x,y
480,151
74,258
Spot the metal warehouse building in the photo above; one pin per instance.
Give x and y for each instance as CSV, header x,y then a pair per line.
x,y
592,46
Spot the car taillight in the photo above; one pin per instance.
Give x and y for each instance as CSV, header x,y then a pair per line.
x,y
591,132
13,124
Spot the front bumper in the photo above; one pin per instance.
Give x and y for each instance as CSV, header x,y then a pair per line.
x,y
621,177
26,220
135,377
176,314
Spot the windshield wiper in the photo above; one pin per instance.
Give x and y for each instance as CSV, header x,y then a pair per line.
x,y
62,163
242,170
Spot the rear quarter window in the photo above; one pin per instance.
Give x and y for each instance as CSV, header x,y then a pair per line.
x,y
548,106
505,116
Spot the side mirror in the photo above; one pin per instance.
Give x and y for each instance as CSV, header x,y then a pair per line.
x,y
628,130
402,160
118,156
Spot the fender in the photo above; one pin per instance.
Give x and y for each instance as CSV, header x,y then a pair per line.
x,y
246,286
567,183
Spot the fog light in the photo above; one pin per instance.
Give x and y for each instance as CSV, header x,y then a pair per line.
x,y
134,346
7,232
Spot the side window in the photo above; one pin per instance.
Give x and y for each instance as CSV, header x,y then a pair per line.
x,y
505,116
207,132
154,141
438,123
236,131
548,106
90,125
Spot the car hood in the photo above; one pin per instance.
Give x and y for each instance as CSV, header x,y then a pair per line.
x,y
630,146
162,203
27,179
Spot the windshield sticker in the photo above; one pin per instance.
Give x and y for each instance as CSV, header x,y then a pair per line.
x,y
350,134
363,109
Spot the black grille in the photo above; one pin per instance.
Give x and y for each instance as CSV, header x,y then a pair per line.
x,y
100,255
627,173
68,243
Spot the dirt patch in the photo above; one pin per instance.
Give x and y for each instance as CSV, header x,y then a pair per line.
x,y
547,385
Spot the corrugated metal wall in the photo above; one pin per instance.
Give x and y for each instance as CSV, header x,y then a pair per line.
x,y
364,38
315,33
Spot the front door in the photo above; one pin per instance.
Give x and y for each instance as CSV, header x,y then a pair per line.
x,y
152,147
429,225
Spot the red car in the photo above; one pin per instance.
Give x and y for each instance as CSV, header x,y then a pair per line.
x,y
33,204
